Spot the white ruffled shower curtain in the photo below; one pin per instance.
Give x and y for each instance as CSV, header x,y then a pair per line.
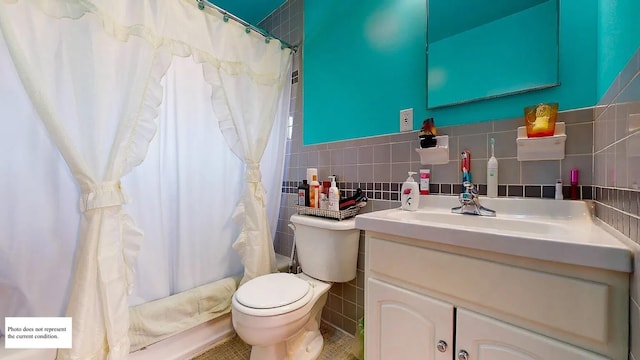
x,y
92,71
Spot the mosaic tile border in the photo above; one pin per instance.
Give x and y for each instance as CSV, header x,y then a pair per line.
x,y
391,190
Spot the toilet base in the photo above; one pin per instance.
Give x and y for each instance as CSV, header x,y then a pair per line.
x,y
306,344
277,351
310,346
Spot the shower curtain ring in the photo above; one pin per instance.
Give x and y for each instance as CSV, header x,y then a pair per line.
x,y
225,18
267,40
200,5
247,29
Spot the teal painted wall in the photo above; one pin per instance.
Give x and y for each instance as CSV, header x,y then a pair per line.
x,y
362,64
618,38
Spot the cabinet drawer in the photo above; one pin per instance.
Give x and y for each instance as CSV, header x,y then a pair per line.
x,y
535,297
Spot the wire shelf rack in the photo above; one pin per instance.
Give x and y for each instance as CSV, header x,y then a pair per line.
x,y
331,214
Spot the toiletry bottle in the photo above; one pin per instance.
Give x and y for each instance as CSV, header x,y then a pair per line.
x,y
303,193
425,176
339,192
325,187
324,201
559,189
409,194
465,165
492,173
574,184
334,195
310,173
314,192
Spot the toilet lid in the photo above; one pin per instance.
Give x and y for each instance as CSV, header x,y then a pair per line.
x,y
272,291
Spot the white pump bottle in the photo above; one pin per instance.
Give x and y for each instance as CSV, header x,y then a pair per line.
x,y
410,194
334,195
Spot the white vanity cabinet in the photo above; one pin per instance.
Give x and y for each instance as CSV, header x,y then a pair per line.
x,y
426,300
407,325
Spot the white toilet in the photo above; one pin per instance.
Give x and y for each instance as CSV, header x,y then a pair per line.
x,y
279,314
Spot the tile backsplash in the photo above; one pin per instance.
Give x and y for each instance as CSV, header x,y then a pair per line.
x,y
616,181
616,154
380,164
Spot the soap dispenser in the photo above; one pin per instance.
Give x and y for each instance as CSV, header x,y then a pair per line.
x,y
410,194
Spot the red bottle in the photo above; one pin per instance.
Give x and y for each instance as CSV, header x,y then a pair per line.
x,y
574,184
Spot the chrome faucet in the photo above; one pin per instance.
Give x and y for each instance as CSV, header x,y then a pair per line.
x,y
470,203
469,199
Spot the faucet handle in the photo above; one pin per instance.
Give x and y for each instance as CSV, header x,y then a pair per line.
x,y
469,187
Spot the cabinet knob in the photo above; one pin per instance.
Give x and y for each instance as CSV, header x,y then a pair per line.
x,y
463,355
442,346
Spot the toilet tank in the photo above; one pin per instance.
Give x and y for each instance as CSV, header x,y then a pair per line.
x,y
327,249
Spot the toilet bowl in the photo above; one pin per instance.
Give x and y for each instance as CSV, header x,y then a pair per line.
x,y
278,332
279,314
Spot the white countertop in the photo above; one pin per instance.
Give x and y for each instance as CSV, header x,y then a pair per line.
x,y
555,230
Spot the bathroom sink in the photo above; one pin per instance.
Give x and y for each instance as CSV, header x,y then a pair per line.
x,y
485,223
556,230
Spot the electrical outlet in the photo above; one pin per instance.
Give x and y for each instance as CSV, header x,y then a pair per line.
x,y
406,120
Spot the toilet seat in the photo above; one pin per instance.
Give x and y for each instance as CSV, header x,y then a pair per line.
x,y
273,294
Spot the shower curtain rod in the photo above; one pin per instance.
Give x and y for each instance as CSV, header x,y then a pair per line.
x,y
228,15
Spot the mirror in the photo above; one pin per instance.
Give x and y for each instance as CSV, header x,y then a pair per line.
x,y
485,49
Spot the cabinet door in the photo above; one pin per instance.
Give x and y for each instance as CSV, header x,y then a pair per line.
x,y
401,324
484,338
